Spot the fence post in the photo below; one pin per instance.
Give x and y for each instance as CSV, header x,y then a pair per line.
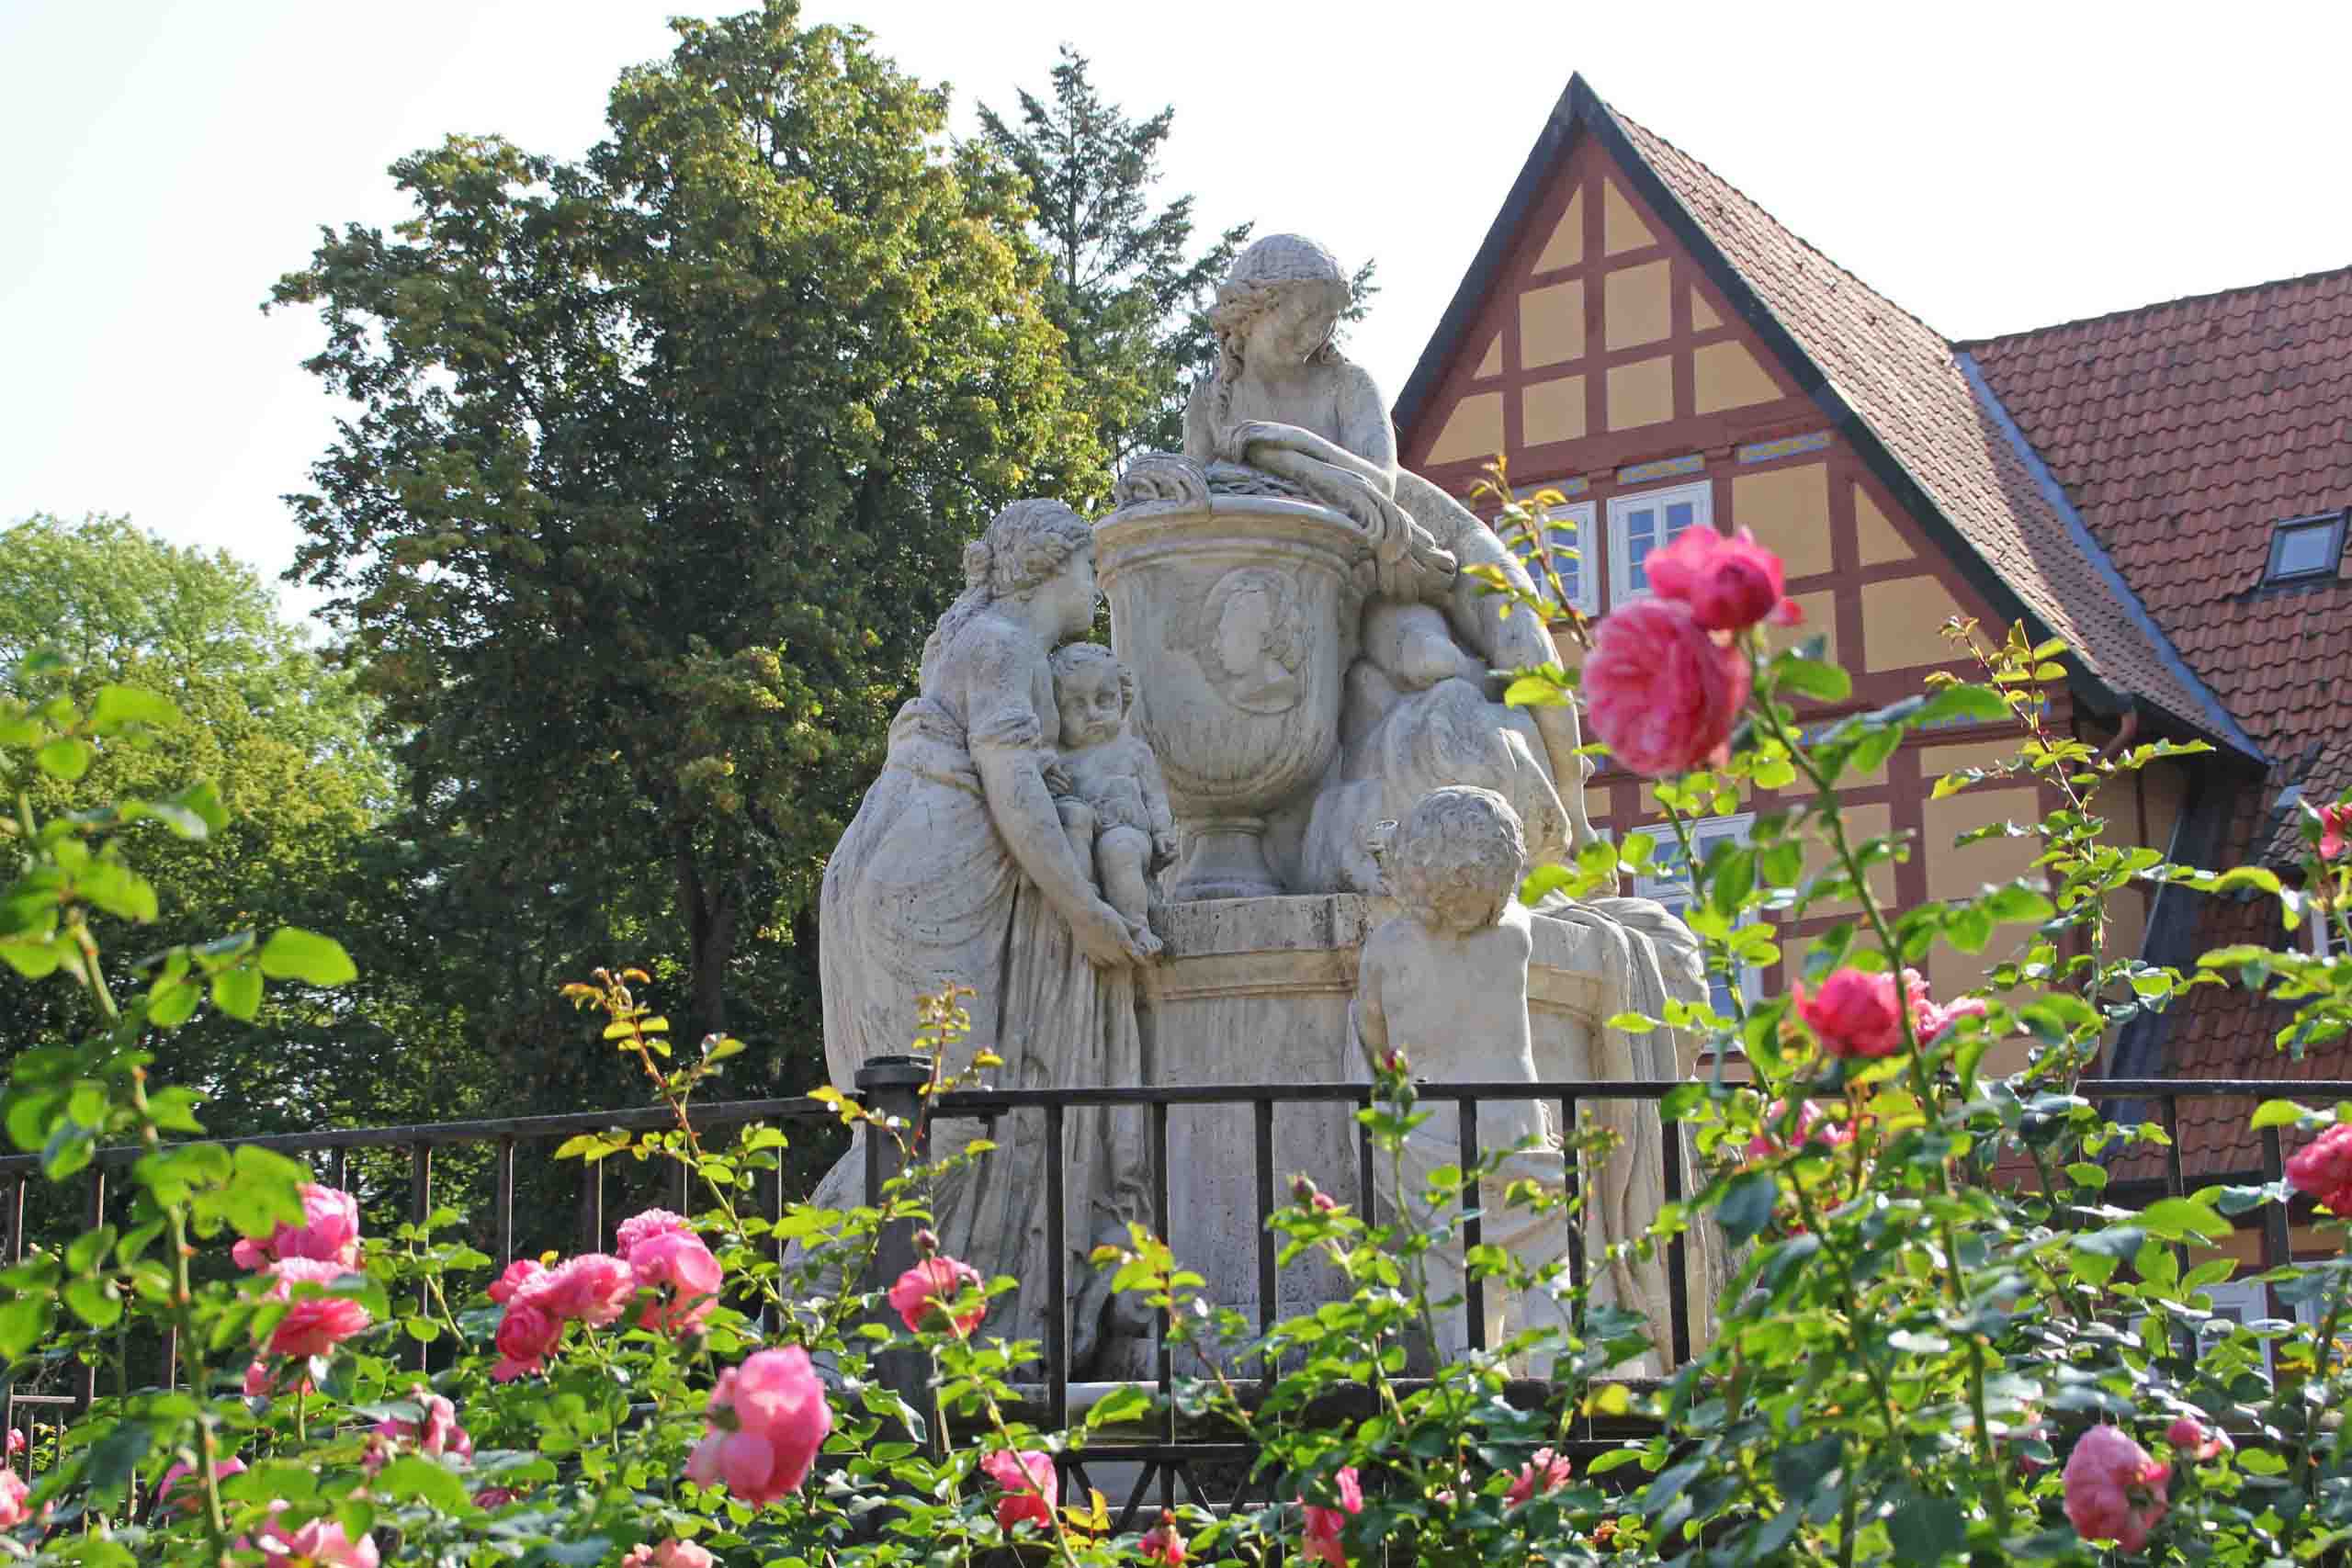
x,y
892,1087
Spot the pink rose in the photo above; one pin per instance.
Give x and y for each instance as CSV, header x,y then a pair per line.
x,y
1929,1019
14,1509
168,1493
2334,822
1547,1471
927,1289
1164,1544
319,1544
779,1418
437,1434
594,1288
671,1553
518,1276
1853,1014
257,1379
1812,1127
493,1497
1032,1487
681,1268
2190,1437
1729,585
639,1229
1660,690
1325,1526
15,1442
2323,1168
528,1336
2114,1490
329,1233
313,1325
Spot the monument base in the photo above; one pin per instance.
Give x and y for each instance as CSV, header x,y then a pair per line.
x,y
1257,991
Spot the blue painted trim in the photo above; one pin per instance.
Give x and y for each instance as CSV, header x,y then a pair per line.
x,y
2217,719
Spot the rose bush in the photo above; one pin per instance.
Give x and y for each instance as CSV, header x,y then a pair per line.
x,y
1938,1338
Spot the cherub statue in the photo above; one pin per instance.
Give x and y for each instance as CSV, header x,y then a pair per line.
x,y
1107,787
1445,981
1283,401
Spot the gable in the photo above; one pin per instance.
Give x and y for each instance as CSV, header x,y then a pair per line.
x,y
1598,333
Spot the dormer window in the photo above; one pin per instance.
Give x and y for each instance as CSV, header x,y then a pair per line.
x,y
2305,549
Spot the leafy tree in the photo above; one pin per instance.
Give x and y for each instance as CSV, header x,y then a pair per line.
x,y
1132,306
282,743
663,465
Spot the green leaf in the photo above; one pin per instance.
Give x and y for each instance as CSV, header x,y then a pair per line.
x,y
1981,703
2277,1113
1926,1531
293,954
1747,1206
2175,1218
114,1456
119,705
64,758
1812,678
94,1303
2016,902
23,1320
417,1477
237,992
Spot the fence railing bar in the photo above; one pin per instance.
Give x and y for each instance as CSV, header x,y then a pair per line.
x,y
1056,1274
592,1205
94,1216
339,1167
1474,1228
1677,1283
1367,1176
681,1188
420,1209
714,1114
501,1216
1163,1361
1261,1137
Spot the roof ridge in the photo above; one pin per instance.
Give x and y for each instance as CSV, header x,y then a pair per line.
x,y
1969,345
1768,216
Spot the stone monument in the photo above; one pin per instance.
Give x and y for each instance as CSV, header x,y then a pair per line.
x,y
1308,661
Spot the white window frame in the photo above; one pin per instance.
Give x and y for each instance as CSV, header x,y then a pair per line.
x,y
1676,892
2244,1302
1699,494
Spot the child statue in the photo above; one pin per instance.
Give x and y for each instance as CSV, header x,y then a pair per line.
x,y
1445,981
1107,787
1284,401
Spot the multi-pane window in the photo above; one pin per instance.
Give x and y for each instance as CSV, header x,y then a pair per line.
x,y
1668,880
2305,547
1642,523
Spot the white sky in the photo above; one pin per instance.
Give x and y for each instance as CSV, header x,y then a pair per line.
x,y
1989,166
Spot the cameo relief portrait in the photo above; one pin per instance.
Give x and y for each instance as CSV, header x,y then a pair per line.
x,y
1249,636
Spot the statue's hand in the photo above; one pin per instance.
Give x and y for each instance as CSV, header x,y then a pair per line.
x,y
1102,933
1234,446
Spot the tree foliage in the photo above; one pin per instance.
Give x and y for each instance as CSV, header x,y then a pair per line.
x,y
282,742
1123,289
661,464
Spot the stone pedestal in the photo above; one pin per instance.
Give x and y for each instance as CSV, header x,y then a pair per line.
x,y
1256,991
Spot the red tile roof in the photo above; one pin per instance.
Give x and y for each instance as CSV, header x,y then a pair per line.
x,y
1901,378
2182,433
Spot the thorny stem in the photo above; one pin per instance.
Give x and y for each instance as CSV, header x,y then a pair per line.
x,y
1996,1495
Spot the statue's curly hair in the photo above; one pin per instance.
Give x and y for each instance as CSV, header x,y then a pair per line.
x,y
1458,839
1024,547
1266,273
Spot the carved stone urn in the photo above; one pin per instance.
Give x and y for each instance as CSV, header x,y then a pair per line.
x,y
1227,608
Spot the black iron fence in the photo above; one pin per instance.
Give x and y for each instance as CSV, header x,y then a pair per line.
x,y
893,1086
